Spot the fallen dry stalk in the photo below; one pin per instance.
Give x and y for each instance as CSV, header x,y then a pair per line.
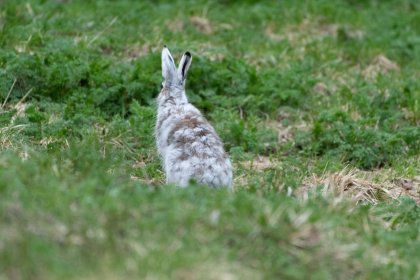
x,y
360,186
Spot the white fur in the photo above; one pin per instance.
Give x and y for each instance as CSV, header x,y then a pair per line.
x,y
188,145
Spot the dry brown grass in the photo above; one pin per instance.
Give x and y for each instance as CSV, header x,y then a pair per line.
x,y
361,186
380,65
202,24
287,133
284,133
221,270
308,31
136,51
7,133
251,169
175,26
259,164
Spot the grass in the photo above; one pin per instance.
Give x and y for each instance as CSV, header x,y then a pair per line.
x,y
317,103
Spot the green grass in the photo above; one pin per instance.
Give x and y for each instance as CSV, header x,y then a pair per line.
x,y
308,88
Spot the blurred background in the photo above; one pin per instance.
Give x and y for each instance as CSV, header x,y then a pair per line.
x,y
317,103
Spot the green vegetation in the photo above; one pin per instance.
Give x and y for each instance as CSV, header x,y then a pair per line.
x,y
318,103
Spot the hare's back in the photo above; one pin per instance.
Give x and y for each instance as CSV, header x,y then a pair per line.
x,y
211,170
195,137
196,152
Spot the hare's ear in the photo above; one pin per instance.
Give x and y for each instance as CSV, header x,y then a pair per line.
x,y
168,66
184,65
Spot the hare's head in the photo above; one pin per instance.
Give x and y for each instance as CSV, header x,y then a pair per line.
x,y
173,85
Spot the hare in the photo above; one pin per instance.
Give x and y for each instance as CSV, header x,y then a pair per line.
x,y
189,147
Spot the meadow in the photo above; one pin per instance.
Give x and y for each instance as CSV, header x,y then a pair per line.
x,y
317,102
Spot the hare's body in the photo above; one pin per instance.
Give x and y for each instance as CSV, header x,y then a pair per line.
x,y
189,146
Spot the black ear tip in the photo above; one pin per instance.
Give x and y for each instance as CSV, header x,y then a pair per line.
x,y
164,46
187,53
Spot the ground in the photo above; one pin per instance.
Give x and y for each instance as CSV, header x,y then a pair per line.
x,y
317,102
